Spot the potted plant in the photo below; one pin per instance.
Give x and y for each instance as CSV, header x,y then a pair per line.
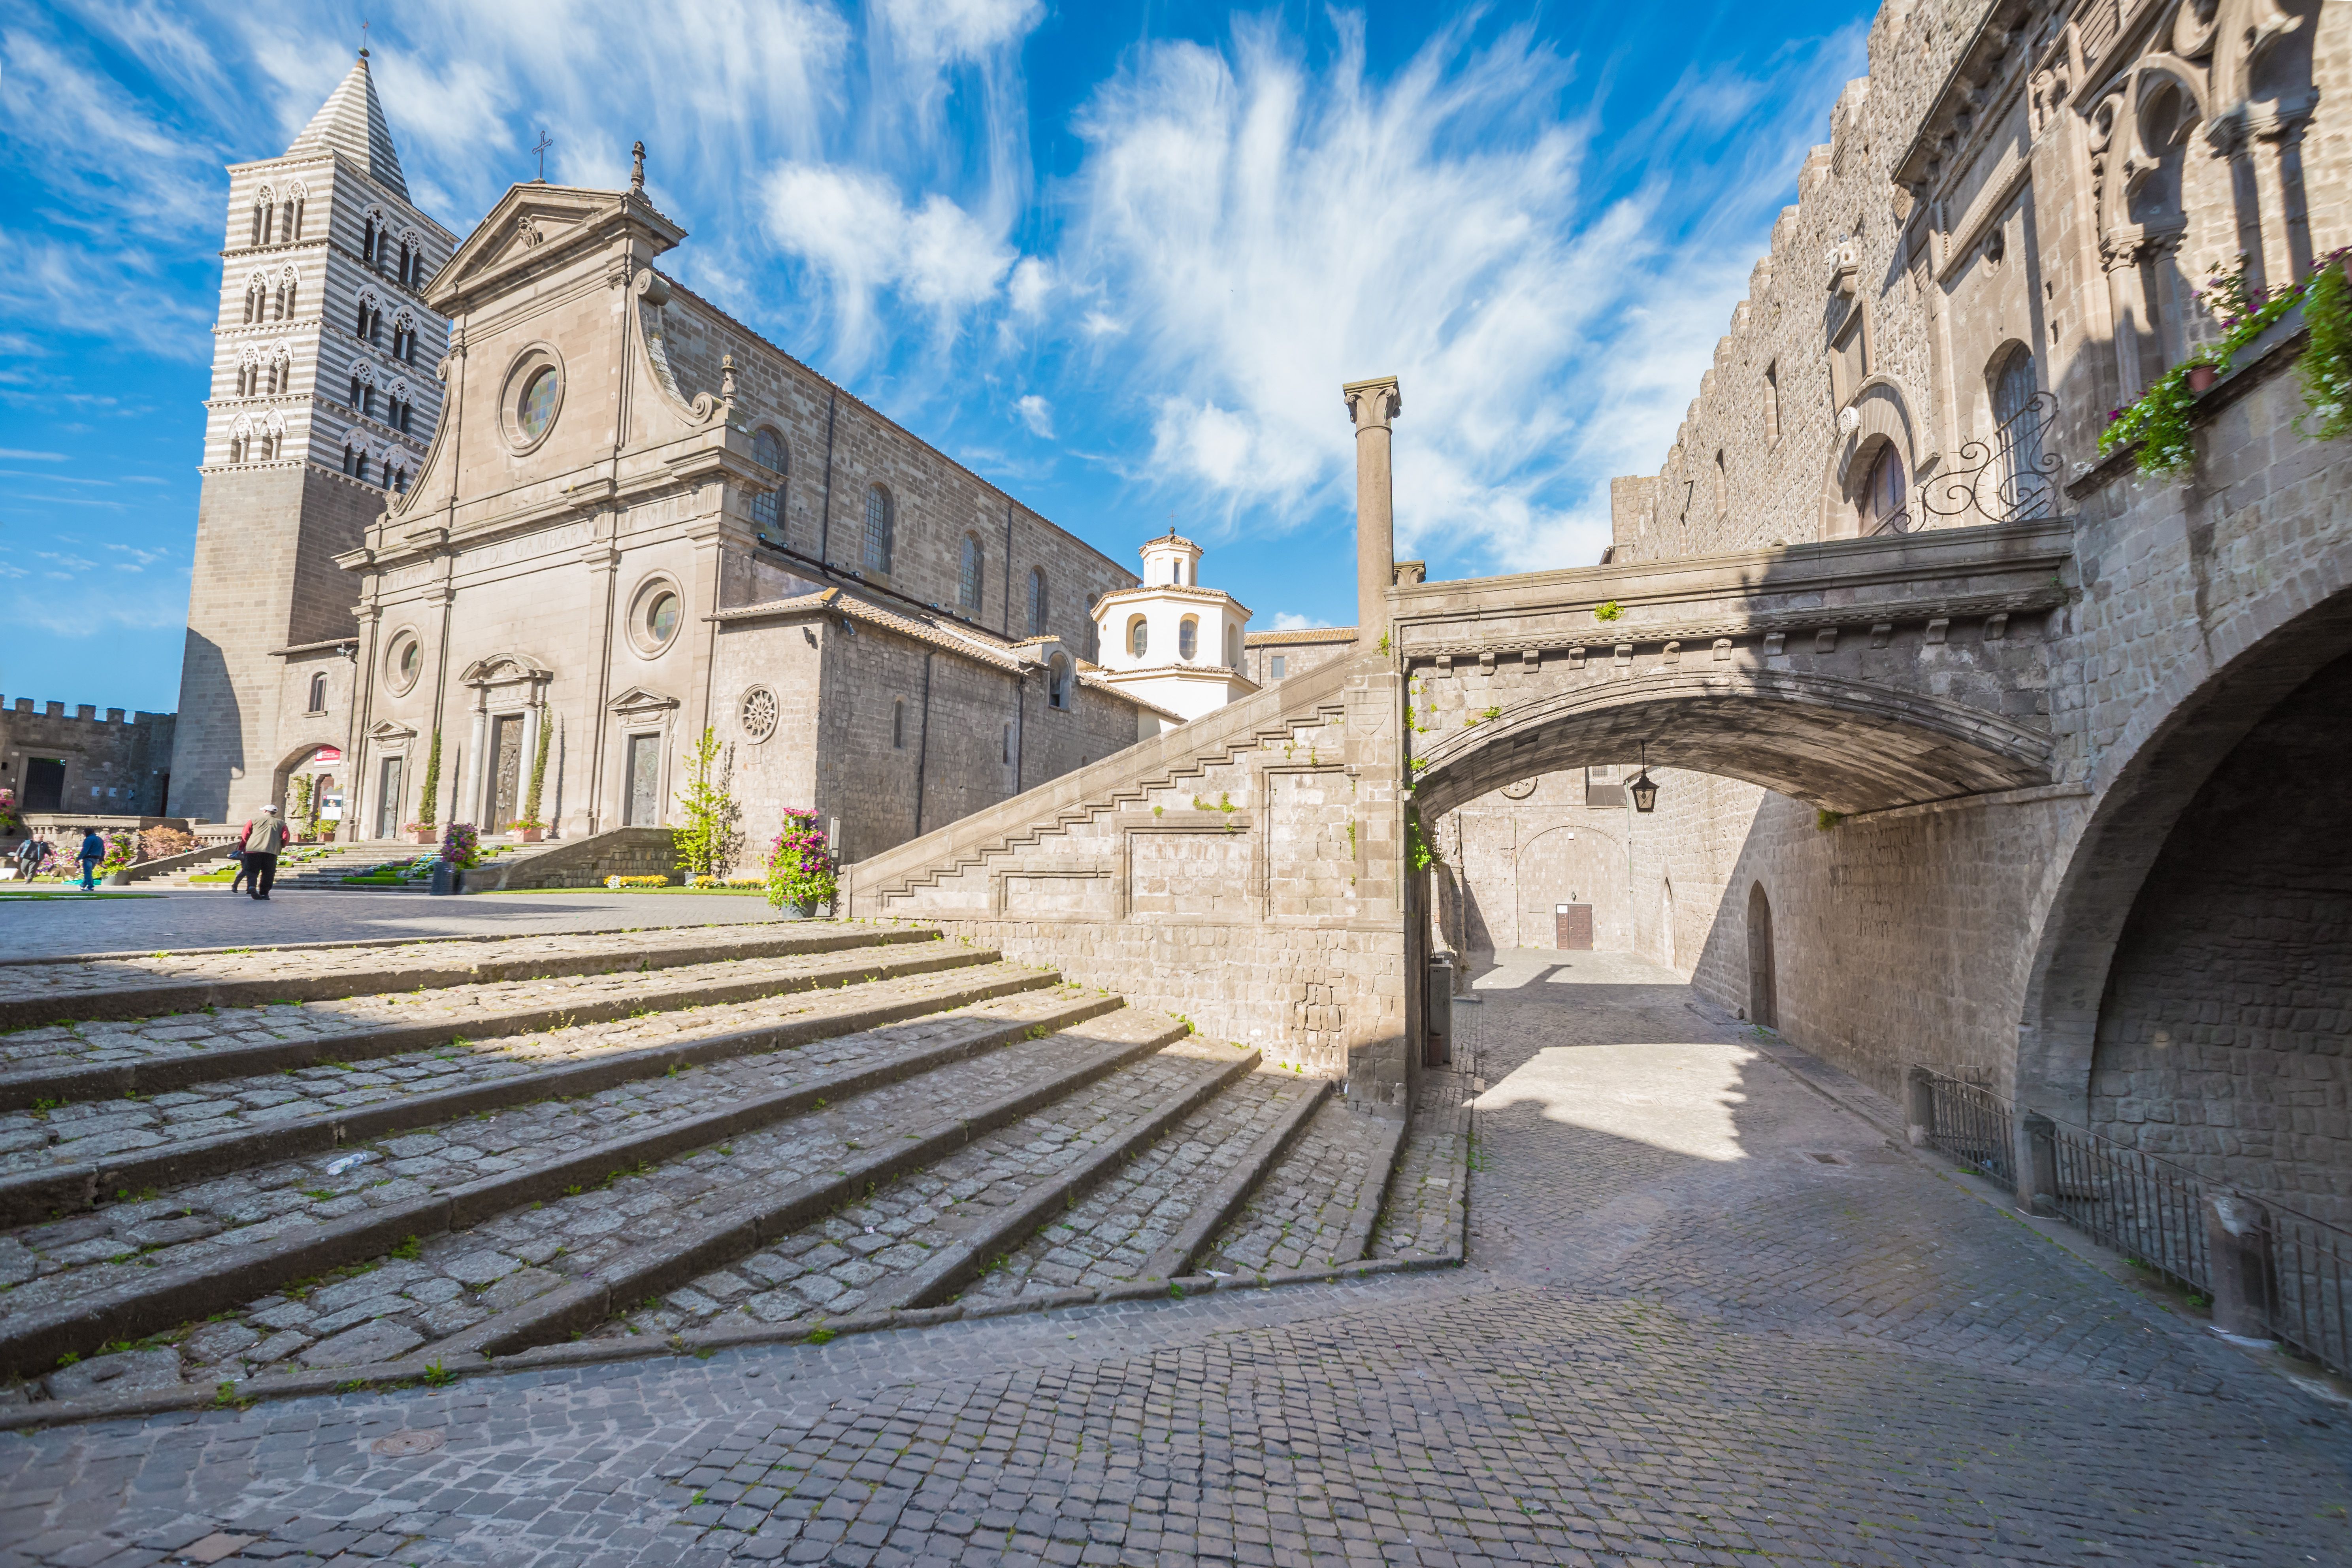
x,y
801,871
527,828
461,846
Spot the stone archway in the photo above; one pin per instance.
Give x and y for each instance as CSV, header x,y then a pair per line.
x,y
2198,720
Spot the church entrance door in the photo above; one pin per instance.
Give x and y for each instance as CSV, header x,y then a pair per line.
x,y
642,800
387,800
506,778
45,783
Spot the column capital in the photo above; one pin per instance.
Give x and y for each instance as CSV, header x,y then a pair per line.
x,y
1372,404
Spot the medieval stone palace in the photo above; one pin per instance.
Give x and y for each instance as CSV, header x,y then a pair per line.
x,y
516,520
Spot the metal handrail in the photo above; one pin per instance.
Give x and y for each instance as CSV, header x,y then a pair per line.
x,y
2289,1272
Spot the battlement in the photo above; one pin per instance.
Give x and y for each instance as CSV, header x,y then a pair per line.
x,y
86,713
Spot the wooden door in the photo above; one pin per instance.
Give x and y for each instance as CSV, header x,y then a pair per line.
x,y
506,747
1572,927
1763,997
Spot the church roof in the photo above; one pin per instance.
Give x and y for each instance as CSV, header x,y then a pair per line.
x,y
1299,635
352,122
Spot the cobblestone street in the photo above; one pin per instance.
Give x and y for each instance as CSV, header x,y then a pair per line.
x,y
1710,1316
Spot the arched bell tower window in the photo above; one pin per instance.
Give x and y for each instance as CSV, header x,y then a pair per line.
x,y
1188,638
1138,636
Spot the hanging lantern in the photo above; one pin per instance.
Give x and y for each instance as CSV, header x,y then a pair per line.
x,y
1645,789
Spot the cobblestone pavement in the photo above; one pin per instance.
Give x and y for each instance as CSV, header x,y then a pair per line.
x,y
1314,1205
212,916
1710,1317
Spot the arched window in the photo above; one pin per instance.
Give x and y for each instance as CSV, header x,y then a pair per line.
x,y
359,394
2024,488
318,693
302,200
347,457
768,451
260,212
1008,742
1188,638
899,723
359,467
1038,603
1138,636
878,522
1882,507
968,579
1058,681
1233,647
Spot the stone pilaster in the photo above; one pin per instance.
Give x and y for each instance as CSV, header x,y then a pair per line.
x,y
1371,405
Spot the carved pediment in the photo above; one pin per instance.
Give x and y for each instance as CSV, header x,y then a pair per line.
x,y
534,225
390,731
638,702
499,668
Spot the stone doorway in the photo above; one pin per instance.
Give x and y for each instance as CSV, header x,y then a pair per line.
x,y
1763,994
45,783
506,775
641,792
387,798
1572,927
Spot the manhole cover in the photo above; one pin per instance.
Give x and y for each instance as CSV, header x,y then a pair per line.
x,y
402,1443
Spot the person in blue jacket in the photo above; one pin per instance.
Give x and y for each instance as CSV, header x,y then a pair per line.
x,y
93,850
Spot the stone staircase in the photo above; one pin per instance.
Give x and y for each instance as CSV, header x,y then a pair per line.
x,y
290,1168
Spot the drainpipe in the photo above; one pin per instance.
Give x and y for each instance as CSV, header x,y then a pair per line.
x,y
922,743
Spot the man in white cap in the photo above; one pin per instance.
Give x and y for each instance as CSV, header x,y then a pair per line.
x,y
263,840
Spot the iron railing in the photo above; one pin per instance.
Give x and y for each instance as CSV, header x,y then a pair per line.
x,y
2272,1272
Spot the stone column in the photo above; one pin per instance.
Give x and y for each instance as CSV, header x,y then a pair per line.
x,y
1371,405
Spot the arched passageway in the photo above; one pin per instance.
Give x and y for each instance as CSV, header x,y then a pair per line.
x,y
2222,1036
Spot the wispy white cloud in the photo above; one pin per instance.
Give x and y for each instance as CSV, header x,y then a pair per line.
x,y
1291,621
1037,413
24,456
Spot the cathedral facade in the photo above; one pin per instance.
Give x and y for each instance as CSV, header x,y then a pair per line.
x,y
606,520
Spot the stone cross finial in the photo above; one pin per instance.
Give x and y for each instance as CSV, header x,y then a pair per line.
x,y
637,170
727,378
1371,405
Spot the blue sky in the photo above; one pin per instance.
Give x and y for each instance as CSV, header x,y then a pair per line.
x,y
1116,256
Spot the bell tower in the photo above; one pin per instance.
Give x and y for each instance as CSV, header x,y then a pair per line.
x,y
325,392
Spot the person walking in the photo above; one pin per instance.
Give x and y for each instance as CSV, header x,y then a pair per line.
x,y
244,866
263,840
93,850
29,856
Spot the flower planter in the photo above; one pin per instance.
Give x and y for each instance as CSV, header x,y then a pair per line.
x,y
449,878
2202,378
529,835
426,835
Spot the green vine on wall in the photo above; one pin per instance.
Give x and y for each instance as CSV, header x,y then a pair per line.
x,y
1419,852
2158,420
2327,362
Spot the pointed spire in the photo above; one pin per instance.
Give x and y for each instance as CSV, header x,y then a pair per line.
x,y
352,122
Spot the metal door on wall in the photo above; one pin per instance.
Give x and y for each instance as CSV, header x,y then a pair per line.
x,y
642,799
506,777
387,799
45,783
1572,927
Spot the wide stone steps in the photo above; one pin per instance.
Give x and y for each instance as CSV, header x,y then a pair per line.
x,y
146,1055
76,1156
39,992
960,1134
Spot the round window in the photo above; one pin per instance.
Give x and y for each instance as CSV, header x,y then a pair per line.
x,y
661,618
404,663
759,715
537,410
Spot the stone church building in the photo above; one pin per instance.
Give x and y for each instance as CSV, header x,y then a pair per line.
x,y
515,521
